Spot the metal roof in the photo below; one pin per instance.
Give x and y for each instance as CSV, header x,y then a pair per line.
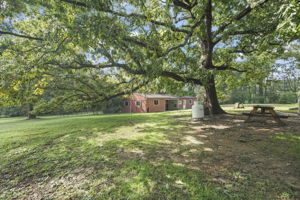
x,y
188,97
165,96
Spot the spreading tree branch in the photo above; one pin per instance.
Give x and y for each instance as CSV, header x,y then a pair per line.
x,y
19,35
238,17
225,67
187,5
131,15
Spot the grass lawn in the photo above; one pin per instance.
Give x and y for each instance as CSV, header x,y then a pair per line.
x,y
248,107
138,156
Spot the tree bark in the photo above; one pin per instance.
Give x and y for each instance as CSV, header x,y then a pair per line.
x,y
29,114
211,96
261,94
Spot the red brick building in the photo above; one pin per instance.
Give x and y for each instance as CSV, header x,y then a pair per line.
x,y
142,103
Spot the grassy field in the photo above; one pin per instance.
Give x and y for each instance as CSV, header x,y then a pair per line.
x,y
248,107
138,156
95,157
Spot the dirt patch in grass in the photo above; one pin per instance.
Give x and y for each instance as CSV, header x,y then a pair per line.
x,y
251,157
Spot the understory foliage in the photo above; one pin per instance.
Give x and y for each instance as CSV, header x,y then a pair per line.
x,y
93,51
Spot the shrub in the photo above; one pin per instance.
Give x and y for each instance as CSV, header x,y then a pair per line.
x,y
287,97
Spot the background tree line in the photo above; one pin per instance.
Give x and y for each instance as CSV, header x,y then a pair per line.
x,y
282,85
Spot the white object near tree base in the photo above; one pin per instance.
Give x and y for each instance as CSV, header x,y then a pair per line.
x,y
197,111
299,105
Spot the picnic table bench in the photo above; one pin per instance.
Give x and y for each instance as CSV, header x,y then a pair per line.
x,y
265,111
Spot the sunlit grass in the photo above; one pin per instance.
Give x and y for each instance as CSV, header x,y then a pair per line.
x,y
286,145
103,157
120,156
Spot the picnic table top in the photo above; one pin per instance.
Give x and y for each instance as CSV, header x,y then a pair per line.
x,y
263,106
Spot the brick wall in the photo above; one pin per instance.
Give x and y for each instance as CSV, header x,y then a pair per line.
x,y
186,101
156,108
132,104
147,105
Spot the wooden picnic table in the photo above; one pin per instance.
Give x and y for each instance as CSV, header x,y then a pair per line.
x,y
264,111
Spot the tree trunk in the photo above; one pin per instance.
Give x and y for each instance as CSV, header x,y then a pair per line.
x,y
212,98
30,115
261,94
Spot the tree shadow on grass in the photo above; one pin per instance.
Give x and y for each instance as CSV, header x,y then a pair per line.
x,y
247,160
67,161
165,157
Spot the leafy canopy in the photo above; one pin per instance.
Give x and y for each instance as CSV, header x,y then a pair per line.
x,y
100,49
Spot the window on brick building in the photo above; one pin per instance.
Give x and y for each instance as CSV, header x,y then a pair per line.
x,y
126,103
138,103
156,102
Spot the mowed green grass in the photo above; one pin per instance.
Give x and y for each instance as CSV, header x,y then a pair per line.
x,y
121,156
97,157
248,107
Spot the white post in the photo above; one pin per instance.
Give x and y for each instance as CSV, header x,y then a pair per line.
x,y
299,100
299,105
197,108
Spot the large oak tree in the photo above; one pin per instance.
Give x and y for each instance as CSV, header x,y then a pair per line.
x,y
189,41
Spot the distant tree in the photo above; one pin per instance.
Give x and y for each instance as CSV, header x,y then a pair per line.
x,y
18,90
